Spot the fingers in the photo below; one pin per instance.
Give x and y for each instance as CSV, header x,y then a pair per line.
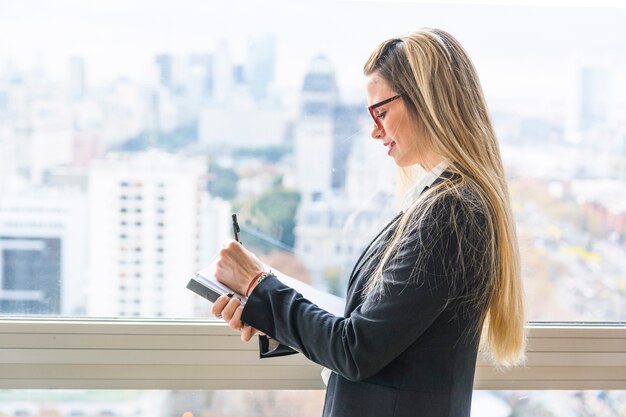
x,y
247,332
234,252
232,313
235,322
231,249
219,305
235,266
230,310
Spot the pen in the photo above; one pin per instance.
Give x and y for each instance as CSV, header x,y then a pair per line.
x,y
236,228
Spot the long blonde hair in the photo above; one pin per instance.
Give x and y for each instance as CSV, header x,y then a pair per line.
x,y
442,92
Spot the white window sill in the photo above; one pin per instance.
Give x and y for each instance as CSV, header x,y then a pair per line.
x,y
146,354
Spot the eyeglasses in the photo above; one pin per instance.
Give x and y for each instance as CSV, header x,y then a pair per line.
x,y
377,105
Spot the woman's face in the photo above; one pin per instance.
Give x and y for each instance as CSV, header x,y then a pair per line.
x,y
398,129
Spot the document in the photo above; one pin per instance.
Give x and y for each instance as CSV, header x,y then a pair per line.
x,y
206,285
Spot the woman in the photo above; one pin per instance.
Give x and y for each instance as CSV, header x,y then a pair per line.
x,y
445,270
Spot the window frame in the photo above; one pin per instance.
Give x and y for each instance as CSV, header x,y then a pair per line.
x,y
194,354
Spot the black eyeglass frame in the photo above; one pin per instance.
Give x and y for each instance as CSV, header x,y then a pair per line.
x,y
381,103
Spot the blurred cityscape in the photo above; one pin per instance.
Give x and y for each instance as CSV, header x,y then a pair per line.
x,y
113,195
285,403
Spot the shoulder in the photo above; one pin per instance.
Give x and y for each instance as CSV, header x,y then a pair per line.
x,y
451,202
447,224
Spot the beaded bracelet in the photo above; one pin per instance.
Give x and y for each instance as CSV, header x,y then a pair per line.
x,y
257,279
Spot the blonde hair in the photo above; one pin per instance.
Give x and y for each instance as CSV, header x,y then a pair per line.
x,y
442,92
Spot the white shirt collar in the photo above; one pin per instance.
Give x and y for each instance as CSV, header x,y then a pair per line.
x,y
426,180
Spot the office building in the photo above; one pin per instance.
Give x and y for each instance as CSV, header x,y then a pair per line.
x,y
223,73
43,250
261,65
198,84
314,131
334,228
165,67
345,134
77,82
146,233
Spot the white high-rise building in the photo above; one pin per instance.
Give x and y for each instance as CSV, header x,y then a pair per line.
x,y
333,230
261,64
147,233
591,102
77,82
370,171
335,224
222,73
592,122
42,250
314,132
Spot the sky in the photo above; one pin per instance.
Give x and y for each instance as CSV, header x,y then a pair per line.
x,y
524,51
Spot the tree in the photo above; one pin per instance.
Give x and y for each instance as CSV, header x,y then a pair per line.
x,y
222,182
275,212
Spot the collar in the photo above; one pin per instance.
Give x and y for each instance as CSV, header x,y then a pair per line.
x,y
426,180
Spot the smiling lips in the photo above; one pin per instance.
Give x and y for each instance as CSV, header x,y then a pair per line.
x,y
391,146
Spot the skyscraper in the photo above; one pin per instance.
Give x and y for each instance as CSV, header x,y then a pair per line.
x,y
590,107
77,78
594,88
200,78
343,200
314,132
345,134
223,74
165,64
146,240
261,64
593,120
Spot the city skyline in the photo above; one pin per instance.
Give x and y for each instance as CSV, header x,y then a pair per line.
x,y
304,152
326,208
130,131
501,39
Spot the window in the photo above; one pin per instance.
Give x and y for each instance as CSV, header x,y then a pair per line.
x,y
254,403
108,133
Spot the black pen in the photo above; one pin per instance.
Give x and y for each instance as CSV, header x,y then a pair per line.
x,y
236,228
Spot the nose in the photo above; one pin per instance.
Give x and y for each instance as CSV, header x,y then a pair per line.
x,y
377,132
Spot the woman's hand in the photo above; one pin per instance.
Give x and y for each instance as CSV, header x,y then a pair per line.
x,y
236,267
230,309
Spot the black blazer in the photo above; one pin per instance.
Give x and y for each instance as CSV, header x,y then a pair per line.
x,y
410,350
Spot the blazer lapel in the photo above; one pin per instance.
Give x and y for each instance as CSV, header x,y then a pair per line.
x,y
368,252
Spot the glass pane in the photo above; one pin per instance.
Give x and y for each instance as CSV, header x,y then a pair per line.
x,y
285,403
548,403
101,403
126,144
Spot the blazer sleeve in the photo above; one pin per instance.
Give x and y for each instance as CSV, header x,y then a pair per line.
x,y
385,323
